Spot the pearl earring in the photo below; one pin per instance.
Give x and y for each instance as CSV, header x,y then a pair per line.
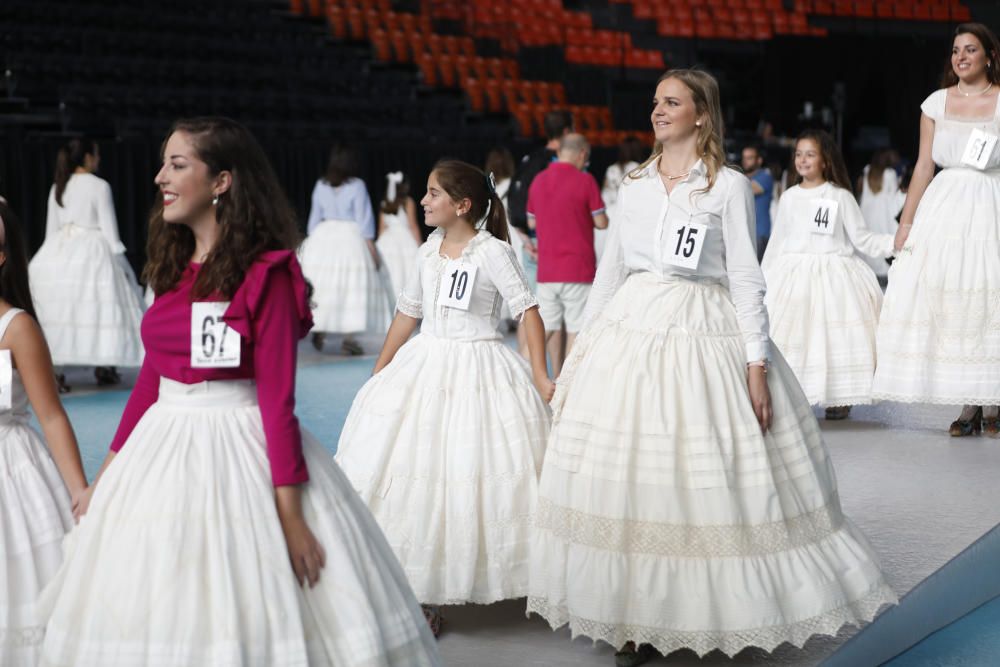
x,y
215,200
697,123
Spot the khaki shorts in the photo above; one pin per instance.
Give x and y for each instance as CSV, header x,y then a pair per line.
x,y
562,302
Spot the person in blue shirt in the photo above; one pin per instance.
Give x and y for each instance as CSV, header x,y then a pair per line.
x,y
762,184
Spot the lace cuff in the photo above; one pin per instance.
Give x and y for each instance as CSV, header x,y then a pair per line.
x,y
520,304
410,307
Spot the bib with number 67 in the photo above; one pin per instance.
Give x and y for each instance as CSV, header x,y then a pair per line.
x,y
823,214
684,242
979,149
6,380
456,284
213,343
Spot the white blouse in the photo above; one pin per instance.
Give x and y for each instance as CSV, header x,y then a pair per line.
x,y
498,278
86,203
642,239
796,230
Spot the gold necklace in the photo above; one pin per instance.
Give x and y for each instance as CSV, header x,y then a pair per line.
x,y
981,92
674,178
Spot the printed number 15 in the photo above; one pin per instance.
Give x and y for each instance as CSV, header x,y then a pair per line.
x,y
687,240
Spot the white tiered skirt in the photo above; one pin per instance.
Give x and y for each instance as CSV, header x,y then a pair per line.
x,y
664,515
445,445
824,311
939,332
349,293
35,514
181,559
398,250
87,300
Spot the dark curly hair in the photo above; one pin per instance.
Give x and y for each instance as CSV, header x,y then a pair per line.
x,y
254,215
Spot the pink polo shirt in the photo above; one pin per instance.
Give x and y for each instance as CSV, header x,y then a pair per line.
x,y
563,201
270,311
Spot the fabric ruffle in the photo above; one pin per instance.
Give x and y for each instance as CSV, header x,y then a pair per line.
x,y
246,302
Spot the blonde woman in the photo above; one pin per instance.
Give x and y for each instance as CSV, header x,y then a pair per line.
x,y
687,499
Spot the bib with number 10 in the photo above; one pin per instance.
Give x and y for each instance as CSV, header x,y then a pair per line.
x,y
456,284
213,343
684,243
979,149
824,215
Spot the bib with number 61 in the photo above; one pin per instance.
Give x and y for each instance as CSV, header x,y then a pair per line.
x,y
824,215
6,380
213,343
979,149
456,284
684,243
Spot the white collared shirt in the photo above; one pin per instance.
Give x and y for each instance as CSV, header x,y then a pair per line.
x,y
638,242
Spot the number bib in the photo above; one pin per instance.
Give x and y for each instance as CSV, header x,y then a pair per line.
x,y
685,241
213,343
979,148
6,380
456,284
824,215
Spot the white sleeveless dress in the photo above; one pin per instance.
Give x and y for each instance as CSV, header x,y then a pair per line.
x,y
398,249
879,210
35,514
939,333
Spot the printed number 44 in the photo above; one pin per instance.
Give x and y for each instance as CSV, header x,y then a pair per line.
x,y
822,217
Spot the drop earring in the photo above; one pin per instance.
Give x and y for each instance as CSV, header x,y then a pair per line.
x,y
215,200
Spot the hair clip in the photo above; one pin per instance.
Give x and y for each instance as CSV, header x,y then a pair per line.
x,y
491,183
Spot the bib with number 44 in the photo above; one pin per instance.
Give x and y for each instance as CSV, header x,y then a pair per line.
x,y
684,243
979,149
456,284
213,343
824,215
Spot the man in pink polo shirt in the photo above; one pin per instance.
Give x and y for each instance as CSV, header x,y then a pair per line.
x,y
564,208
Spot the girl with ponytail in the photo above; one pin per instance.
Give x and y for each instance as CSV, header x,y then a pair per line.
x,y
398,231
87,296
445,442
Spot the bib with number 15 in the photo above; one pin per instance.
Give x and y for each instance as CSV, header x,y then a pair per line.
x,y
456,284
213,343
823,215
684,243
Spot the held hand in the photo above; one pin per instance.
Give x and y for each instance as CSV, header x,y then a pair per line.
x,y
760,396
531,249
545,386
80,502
902,233
304,550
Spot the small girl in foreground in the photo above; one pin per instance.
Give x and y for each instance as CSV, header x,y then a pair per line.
x,y
445,442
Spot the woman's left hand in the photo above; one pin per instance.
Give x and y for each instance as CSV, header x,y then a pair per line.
x,y
760,396
304,550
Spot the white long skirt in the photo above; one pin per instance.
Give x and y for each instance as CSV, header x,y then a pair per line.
x,y
939,332
181,559
35,514
665,516
87,300
824,312
349,294
445,445
398,250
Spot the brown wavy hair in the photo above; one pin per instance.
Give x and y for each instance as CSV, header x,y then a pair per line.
x,y
254,215
988,39
462,180
705,92
834,168
14,287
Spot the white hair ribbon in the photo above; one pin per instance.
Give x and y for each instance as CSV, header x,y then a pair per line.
x,y
394,178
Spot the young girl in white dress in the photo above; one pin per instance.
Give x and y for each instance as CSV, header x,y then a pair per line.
x,y
41,485
687,499
339,257
823,298
939,334
398,232
445,442
879,192
89,304
220,532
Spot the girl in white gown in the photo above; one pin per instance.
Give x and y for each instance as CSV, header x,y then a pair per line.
x,y
445,442
398,233
89,304
879,193
40,484
939,334
687,499
339,257
823,298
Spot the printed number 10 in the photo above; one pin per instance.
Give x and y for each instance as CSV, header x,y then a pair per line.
x,y
208,338
687,241
459,282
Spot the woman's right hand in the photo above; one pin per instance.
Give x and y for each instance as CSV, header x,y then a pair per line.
x,y
80,501
902,233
